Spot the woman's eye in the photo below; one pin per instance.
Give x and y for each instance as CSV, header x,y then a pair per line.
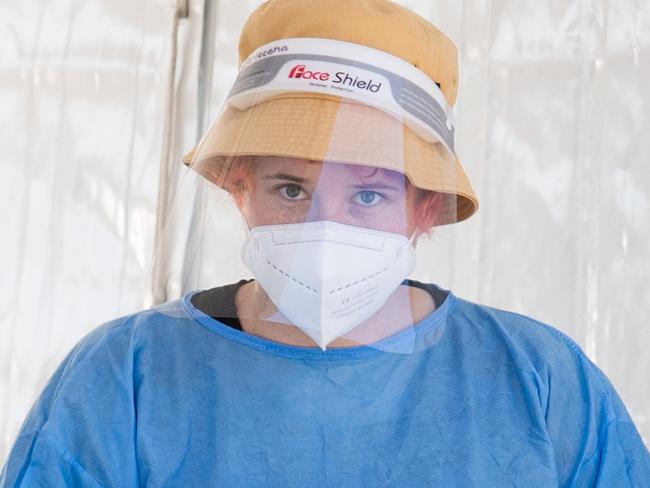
x,y
292,192
368,198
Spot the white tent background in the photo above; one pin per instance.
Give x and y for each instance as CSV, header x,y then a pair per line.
x,y
100,98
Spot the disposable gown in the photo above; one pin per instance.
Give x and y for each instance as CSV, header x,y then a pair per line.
x,y
172,397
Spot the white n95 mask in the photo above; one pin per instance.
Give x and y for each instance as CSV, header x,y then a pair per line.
x,y
325,277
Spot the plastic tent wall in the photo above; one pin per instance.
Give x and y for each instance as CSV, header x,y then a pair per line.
x,y
101,98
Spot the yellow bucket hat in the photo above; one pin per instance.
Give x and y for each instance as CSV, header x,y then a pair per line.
x,y
300,124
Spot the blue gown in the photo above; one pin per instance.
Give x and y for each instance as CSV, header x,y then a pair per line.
x,y
171,397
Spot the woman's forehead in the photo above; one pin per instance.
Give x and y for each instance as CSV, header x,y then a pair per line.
x,y
310,169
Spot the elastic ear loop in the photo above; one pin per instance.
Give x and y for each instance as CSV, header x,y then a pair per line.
x,y
413,239
250,241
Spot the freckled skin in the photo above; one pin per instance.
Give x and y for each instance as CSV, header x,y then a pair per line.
x,y
382,200
330,191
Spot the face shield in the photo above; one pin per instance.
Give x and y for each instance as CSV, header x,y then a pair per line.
x,y
314,194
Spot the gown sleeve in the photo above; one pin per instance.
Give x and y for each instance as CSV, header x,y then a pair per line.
x,y
81,429
594,439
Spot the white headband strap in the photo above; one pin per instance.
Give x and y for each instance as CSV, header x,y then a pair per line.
x,y
351,71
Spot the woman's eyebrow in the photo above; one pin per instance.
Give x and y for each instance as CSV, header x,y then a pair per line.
x,y
284,176
378,186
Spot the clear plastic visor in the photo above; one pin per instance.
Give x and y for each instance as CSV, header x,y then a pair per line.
x,y
304,219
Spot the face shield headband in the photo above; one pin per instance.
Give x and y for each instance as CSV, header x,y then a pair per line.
x,y
351,71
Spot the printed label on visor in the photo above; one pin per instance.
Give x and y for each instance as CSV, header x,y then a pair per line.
x,y
382,80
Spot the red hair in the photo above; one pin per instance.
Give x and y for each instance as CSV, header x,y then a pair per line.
x,y
429,208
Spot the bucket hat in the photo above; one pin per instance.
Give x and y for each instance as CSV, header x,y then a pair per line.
x,y
300,124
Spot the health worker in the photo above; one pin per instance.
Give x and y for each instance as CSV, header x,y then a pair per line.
x,y
320,361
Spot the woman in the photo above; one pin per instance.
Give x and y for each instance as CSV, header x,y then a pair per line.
x,y
331,367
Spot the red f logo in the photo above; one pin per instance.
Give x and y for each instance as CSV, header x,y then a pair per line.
x,y
297,71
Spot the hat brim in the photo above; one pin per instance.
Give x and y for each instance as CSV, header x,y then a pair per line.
x,y
324,128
